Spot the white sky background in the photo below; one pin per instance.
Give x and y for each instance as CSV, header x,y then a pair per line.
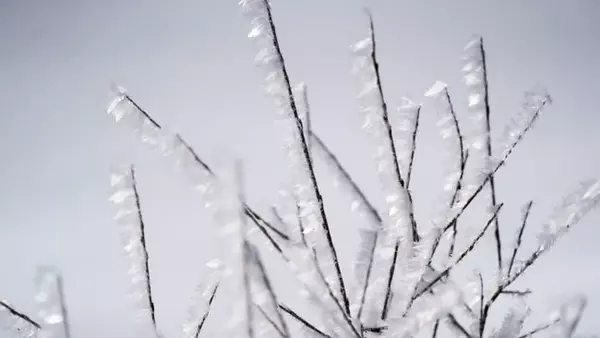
x,y
189,64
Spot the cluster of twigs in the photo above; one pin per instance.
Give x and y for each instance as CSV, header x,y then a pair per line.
x,y
403,283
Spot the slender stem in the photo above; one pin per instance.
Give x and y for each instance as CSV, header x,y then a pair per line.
x,y
370,209
486,101
388,127
436,327
386,122
63,306
463,164
205,316
519,237
307,157
413,148
540,329
454,322
480,187
270,291
271,321
303,321
13,312
144,247
315,259
462,255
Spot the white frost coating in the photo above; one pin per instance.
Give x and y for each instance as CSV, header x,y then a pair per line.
x,y
437,88
569,315
362,266
51,304
264,296
397,226
15,325
124,110
425,311
454,153
202,300
513,321
404,124
572,209
531,108
278,87
476,136
232,231
128,216
343,181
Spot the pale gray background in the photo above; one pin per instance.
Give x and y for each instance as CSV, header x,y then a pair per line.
x,y
190,64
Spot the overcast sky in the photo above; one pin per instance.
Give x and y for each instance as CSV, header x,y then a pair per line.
x,y
190,64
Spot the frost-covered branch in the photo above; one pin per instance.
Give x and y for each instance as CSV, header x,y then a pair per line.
x,y
17,322
202,305
305,183
399,232
51,304
450,128
465,252
129,216
476,78
525,217
573,208
312,329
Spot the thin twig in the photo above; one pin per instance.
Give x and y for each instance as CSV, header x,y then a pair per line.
x,y
307,157
462,255
486,102
413,147
270,291
144,246
247,252
13,312
271,321
388,127
501,163
370,209
463,164
322,276
519,237
454,322
198,329
540,329
303,321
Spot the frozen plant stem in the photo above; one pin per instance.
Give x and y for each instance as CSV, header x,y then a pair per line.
x,y
519,237
306,155
413,149
144,247
13,312
402,183
488,144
